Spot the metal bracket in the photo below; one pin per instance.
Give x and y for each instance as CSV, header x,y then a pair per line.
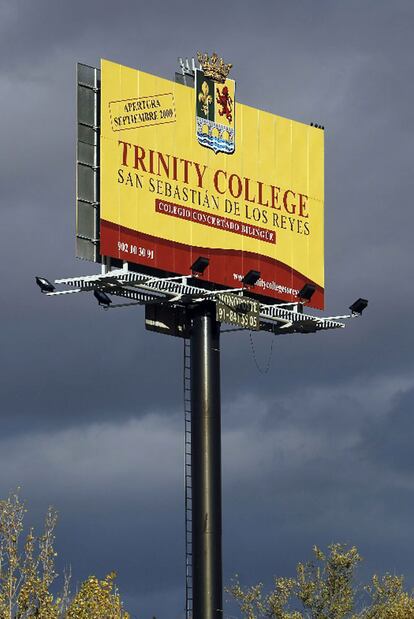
x,y
185,67
141,289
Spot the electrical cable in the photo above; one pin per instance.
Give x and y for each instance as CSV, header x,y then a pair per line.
x,y
267,368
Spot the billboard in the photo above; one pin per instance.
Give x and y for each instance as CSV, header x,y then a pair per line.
x,y
189,172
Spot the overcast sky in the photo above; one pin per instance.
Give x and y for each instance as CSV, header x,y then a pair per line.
x,y
319,449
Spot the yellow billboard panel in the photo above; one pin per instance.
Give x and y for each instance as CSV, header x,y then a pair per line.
x,y
189,172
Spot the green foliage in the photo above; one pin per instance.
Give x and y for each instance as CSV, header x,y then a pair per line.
x,y
97,599
27,572
388,599
325,588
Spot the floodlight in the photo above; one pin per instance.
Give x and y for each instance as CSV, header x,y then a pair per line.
x,y
251,278
44,284
305,326
359,306
102,298
307,292
199,266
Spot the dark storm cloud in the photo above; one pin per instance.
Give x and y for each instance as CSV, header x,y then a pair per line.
x,y
315,451
388,443
310,477
116,485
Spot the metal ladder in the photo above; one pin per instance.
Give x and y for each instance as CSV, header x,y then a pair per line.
x,y
187,483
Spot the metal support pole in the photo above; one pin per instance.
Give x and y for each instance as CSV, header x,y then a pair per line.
x,y
206,464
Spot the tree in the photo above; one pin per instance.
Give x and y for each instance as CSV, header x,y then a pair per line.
x,y
97,599
388,599
325,588
27,572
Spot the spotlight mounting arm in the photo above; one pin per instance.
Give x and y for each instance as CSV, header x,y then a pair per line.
x,y
140,289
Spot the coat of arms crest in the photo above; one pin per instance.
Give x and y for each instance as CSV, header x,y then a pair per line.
x,y
215,105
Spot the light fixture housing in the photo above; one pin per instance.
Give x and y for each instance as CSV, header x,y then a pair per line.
x,y
307,292
199,266
358,306
305,326
251,277
44,284
102,298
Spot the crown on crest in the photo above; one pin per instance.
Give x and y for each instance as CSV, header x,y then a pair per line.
x,y
214,67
